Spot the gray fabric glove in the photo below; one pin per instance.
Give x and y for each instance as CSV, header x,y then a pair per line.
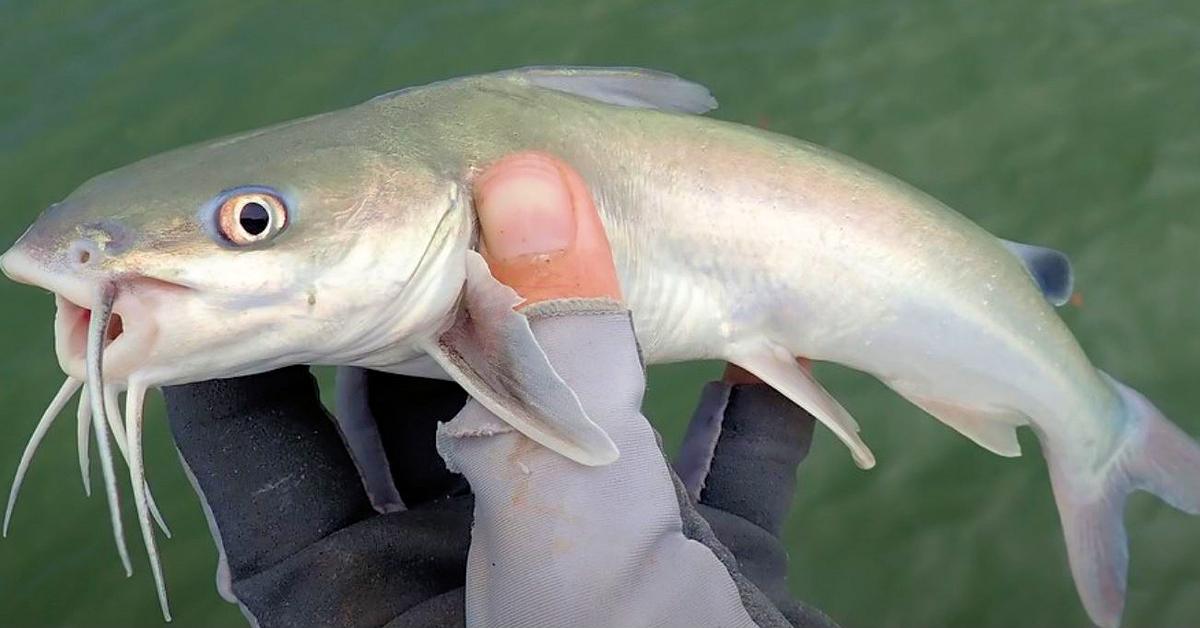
x,y
555,543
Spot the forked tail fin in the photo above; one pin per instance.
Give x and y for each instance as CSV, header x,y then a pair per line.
x,y
1157,457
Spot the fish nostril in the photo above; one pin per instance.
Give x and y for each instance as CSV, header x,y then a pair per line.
x,y
84,253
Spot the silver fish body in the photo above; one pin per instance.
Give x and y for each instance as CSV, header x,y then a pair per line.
x,y
731,243
728,238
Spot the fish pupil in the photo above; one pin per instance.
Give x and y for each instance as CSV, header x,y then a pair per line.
x,y
254,218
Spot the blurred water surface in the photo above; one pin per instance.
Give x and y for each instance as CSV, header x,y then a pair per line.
x,y
1072,124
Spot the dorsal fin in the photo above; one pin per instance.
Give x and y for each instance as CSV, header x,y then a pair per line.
x,y
1051,270
624,87
627,87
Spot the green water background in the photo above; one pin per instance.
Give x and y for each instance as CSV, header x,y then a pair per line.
x,y
1072,124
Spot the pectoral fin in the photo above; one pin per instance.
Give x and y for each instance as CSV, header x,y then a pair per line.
x,y
780,371
357,426
492,353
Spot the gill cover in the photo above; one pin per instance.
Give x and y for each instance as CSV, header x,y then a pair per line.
x,y
492,353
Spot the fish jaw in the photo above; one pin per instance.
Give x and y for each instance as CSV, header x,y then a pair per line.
x,y
164,333
132,332
159,330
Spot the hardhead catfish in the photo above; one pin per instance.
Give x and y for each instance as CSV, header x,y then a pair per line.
x,y
347,239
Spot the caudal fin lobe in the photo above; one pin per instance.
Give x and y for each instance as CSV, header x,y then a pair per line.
x,y
1156,457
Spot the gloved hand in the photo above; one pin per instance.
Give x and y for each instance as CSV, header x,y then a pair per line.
x,y
552,542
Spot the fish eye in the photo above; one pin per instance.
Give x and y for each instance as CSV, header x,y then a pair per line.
x,y
251,217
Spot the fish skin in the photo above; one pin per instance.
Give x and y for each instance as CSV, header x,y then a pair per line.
x,y
842,263
815,255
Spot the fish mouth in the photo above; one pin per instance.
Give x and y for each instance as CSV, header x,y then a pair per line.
x,y
120,346
130,338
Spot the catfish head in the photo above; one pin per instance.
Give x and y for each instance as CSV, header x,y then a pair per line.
x,y
291,245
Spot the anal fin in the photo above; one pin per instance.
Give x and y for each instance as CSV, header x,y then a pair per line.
x,y
988,431
780,371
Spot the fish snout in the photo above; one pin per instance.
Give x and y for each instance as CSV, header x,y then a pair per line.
x,y
18,265
81,250
14,263
6,265
30,265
